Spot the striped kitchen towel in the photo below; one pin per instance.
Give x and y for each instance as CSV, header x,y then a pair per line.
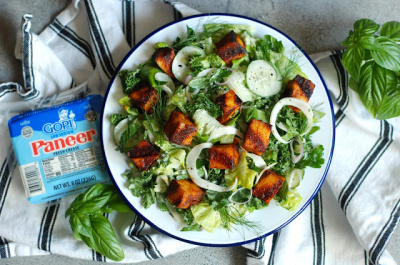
x,y
349,221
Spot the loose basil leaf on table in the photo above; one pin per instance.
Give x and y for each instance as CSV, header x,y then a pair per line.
x,y
373,62
88,223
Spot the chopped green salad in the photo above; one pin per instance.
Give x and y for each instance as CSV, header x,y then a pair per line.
x,y
217,125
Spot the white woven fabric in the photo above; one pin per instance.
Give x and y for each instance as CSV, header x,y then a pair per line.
x,y
349,222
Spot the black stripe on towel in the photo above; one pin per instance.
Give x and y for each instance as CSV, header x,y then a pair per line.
x,y
46,227
99,41
9,87
318,230
72,38
150,249
259,249
177,14
4,248
128,21
5,180
383,237
275,240
27,62
343,82
366,165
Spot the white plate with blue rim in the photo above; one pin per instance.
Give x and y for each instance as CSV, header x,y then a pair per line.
x,y
270,219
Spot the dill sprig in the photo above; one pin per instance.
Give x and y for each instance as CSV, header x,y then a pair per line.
x,y
231,218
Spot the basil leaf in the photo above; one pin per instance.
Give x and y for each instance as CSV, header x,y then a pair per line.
x,y
352,60
391,30
80,224
373,83
119,205
103,238
365,26
388,54
368,42
390,105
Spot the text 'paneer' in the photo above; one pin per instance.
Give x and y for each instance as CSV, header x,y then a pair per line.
x,y
268,185
183,193
180,129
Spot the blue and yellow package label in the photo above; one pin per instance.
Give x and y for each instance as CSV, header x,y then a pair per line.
x,y
58,149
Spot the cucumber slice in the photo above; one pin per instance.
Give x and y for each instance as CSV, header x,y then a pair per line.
x,y
237,85
119,129
262,79
181,62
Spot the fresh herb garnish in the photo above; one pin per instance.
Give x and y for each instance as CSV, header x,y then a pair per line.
x,y
373,61
86,217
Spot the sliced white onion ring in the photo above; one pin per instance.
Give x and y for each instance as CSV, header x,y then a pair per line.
x,y
205,172
291,102
294,178
232,201
262,172
192,170
258,161
282,126
296,158
169,86
187,79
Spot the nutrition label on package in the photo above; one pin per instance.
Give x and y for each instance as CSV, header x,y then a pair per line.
x,y
70,162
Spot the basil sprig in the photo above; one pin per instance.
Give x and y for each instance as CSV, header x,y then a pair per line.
x,y
373,62
88,223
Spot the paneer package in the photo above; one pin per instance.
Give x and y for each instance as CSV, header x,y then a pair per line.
x,y
58,149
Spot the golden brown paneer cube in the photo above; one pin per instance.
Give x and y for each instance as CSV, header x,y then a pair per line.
x,y
223,156
268,185
163,57
257,137
300,88
144,97
183,193
230,103
231,47
180,129
143,155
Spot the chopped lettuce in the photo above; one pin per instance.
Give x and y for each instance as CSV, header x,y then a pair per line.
x,y
244,174
206,216
207,125
291,201
176,163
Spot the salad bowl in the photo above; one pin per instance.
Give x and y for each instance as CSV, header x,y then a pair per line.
x,y
269,219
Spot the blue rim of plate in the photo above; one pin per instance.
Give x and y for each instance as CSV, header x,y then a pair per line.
x,y
298,211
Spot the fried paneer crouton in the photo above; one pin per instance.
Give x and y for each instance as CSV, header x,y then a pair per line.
x,y
143,155
231,47
144,97
180,129
268,185
223,156
300,88
257,137
229,103
183,193
163,57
